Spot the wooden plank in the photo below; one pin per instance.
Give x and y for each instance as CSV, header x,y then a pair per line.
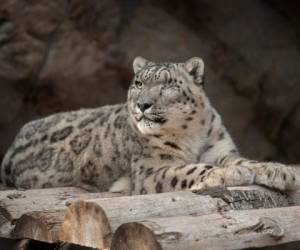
x,y
15,203
228,230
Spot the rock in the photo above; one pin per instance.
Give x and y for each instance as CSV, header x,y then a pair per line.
x,y
252,61
57,56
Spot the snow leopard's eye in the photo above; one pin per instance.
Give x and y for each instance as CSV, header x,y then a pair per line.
x,y
138,84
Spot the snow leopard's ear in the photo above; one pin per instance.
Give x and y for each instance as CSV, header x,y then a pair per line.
x,y
195,67
139,63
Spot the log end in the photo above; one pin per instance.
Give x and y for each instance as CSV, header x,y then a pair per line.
x,y
5,219
30,226
134,236
86,224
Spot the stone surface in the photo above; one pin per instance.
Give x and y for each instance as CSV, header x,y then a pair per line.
x,y
63,55
57,56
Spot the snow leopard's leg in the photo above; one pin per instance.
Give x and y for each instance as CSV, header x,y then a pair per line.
x,y
149,178
174,175
238,171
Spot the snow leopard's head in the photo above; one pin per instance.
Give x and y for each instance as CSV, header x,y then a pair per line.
x,y
166,96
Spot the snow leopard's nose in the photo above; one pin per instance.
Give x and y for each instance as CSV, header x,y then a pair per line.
x,y
144,106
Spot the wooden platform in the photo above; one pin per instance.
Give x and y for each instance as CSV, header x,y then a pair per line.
x,y
71,218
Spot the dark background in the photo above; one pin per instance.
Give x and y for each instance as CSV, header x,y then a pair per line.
x,y
59,55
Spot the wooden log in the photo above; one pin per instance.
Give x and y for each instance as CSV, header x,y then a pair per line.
x,y
230,230
131,208
121,210
15,203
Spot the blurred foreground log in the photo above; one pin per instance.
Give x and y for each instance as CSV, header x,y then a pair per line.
x,y
86,224
75,227
15,203
134,236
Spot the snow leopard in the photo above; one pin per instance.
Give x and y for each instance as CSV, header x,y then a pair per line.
x,y
166,137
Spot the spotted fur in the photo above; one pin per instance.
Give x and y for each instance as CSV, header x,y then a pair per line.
x,y
166,137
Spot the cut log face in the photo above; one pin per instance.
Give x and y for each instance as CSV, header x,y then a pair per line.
x,y
34,228
134,236
42,226
86,224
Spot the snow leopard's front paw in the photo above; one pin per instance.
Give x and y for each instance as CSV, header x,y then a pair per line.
x,y
214,178
278,176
